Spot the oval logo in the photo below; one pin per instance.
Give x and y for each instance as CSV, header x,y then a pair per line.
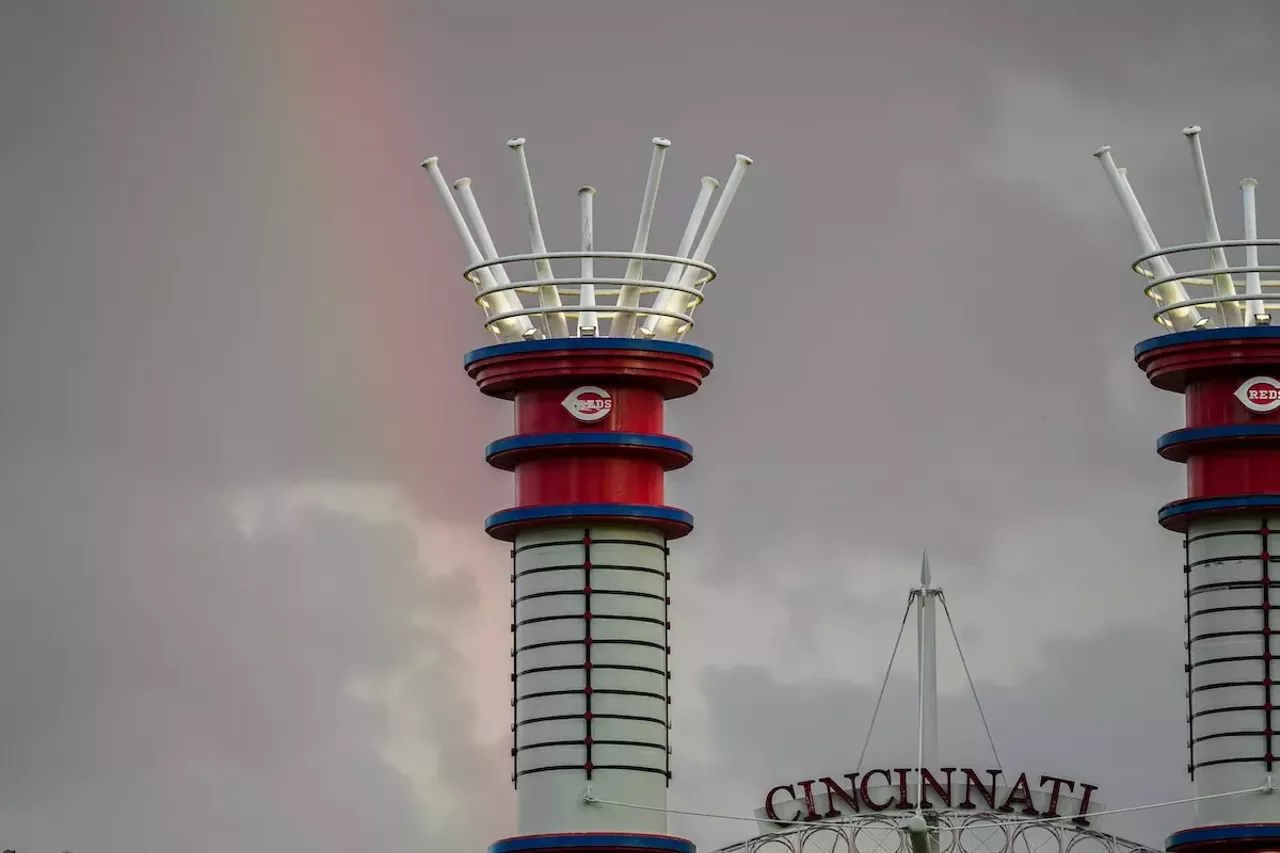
x,y
1260,394
589,403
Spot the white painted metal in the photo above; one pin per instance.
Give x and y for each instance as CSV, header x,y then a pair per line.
x,y
503,300
1223,285
627,578
1201,298
922,839
602,286
1174,292
677,271
548,293
547,305
624,323
514,327
926,629
588,322
670,300
918,834
1227,551
966,831
1253,280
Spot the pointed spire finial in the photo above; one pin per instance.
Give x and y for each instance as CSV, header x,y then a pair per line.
x,y
926,577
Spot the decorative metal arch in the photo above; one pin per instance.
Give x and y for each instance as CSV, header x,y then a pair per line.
x,y
958,832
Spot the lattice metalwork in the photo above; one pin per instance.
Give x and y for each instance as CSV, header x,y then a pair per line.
x,y
968,832
524,297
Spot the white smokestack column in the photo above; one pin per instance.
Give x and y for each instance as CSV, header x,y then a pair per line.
x,y
1229,376
591,678
589,528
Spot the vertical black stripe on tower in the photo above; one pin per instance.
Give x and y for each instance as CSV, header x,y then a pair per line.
x,y
666,619
1191,727
515,668
1265,532
586,644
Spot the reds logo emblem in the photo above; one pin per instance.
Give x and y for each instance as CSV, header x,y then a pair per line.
x,y
1260,394
589,404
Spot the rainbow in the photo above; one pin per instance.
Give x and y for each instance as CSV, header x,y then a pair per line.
x,y
340,100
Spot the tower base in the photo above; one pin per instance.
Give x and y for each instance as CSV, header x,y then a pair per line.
x,y
593,842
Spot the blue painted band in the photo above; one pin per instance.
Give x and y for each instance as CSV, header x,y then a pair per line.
x,y
1215,834
1197,505
568,512
588,439
1186,436
1176,338
613,344
588,841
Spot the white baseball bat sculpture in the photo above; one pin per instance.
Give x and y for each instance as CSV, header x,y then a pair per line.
x,y
513,328
1172,292
676,272
588,322
624,322
504,300
683,301
1187,317
1252,280
1222,283
548,294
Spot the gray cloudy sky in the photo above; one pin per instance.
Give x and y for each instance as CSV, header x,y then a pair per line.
x,y
245,602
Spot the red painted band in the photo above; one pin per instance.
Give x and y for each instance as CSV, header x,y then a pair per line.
x,y
1234,471
634,409
603,478
671,374
1172,367
1212,401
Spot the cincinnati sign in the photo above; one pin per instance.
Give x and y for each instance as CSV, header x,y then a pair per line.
x,y
948,788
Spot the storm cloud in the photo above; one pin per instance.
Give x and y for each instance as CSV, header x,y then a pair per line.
x,y
244,599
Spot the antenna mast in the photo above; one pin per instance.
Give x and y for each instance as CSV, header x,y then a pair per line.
x,y
923,840
927,643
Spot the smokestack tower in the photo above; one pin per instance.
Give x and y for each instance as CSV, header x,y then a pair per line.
x,y
1220,350
589,356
